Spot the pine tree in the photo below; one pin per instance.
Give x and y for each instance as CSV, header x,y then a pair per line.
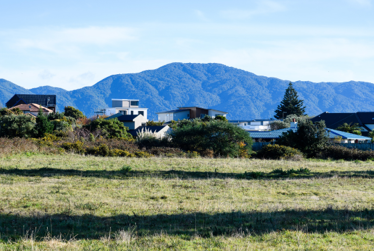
x,y
291,104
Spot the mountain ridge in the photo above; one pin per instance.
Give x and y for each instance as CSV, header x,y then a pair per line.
x,y
243,94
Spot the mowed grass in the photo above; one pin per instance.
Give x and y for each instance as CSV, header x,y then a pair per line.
x,y
72,202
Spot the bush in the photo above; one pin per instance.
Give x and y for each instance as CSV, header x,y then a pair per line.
x,y
76,147
277,152
220,136
14,111
142,154
22,126
110,128
43,125
309,138
73,112
341,152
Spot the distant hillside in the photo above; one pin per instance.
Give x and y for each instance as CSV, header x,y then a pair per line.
x,y
243,94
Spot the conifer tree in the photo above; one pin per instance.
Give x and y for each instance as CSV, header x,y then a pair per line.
x,y
291,104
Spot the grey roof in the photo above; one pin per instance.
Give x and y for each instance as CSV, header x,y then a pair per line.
x,y
331,134
40,99
173,111
123,118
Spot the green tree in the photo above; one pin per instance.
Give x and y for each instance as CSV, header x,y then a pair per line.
x,y
371,135
43,125
155,123
309,138
351,128
291,104
70,111
15,111
224,138
22,126
111,128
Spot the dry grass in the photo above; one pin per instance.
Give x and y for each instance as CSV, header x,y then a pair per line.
x,y
75,202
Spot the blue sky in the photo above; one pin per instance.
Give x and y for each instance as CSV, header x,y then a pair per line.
x,y
71,44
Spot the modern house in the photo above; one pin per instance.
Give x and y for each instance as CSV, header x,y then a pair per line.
x,y
188,113
47,101
32,109
331,133
254,125
131,121
333,120
157,131
124,107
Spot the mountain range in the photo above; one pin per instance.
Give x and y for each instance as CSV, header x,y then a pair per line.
x,y
242,94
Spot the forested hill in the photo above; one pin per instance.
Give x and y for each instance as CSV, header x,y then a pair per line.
x,y
243,94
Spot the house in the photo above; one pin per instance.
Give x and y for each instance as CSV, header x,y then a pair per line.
x,y
254,125
32,109
131,121
157,131
124,107
365,120
47,101
331,133
188,113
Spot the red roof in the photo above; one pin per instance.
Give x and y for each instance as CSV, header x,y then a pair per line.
x,y
31,108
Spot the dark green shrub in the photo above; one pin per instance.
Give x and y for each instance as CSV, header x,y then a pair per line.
x,y
111,128
223,138
22,126
341,152
309,138
73,112
43,125
14,111
125,169
55,115
277,152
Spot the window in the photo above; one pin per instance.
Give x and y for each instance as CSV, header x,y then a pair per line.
x,y
134,103
132,112
141,112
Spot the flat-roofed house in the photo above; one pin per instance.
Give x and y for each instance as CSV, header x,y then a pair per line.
x,y
188,113
124,107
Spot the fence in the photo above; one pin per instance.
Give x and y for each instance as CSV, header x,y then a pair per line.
x,y
361,146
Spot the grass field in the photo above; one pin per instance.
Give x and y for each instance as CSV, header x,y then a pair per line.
x,y
72,202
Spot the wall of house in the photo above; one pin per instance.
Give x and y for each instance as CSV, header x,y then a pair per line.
x,y
214,113
370,126
167,117
135,111
139,121
130,125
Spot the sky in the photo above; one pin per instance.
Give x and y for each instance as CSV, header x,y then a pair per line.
x,y
72,44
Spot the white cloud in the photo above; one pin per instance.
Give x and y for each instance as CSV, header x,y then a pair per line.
x,y
263,7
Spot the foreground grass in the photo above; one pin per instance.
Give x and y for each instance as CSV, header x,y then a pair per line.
x,y
83,203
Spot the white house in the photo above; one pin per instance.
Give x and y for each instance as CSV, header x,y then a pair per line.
x,y
188,113
131,121
124,107
254,125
